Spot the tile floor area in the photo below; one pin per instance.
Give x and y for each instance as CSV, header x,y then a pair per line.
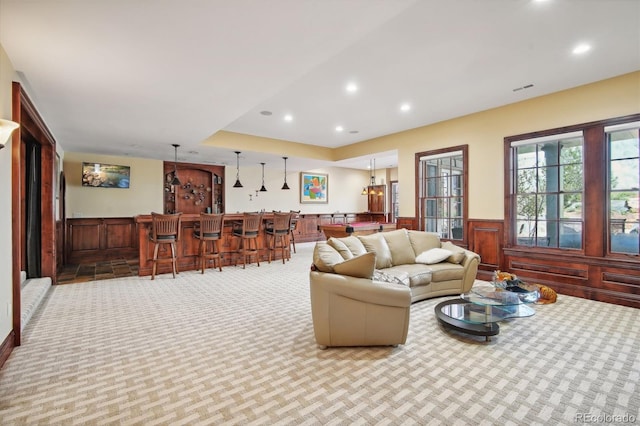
x,y
98,271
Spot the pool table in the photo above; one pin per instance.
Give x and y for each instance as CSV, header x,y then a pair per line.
x,y
356,228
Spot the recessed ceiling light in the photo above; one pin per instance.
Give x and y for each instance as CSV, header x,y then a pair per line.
x,y
351,88
405,107
288,117
581,48
266,112
339,128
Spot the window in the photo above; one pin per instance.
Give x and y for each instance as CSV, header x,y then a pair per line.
x,y
576,188
548,175
442,183
395,201
624,187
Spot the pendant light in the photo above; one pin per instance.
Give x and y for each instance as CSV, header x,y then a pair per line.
x,y
285,186
263,189
237,184
175,181
6,128
372,190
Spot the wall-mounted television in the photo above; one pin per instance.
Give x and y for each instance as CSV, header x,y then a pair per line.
x,y
101,175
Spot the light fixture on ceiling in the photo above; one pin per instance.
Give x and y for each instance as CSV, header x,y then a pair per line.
x,y
285,186
6,128
288,117
351,88
581,48
175,181
237,184
262,188
339,128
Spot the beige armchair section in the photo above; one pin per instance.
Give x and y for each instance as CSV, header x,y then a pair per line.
x,y
349,311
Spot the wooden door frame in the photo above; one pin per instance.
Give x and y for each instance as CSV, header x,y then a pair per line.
x,y
32,127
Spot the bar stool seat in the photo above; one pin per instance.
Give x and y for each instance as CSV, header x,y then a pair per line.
x,y
278,235
209,232
248,231
165,229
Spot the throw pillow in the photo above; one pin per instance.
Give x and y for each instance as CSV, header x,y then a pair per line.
x,y
360,266
377,244
434,255
341,247
353,244
458,253
325,257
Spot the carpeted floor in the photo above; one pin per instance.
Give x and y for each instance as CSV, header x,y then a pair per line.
x,y
237,347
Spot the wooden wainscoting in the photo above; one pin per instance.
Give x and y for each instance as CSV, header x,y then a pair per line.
x,y
100,239
485,238
407,222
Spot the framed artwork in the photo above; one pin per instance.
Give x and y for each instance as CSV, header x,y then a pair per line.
x,y
105,175
314,188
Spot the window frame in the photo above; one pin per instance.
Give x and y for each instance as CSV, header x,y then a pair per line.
x,y
596,239
464,149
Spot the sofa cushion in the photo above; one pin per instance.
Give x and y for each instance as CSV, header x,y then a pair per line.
x,y
359,266
446,271
422,241
400,246
417,273
325,257
377,244
434,255
457,253
341,247
353,244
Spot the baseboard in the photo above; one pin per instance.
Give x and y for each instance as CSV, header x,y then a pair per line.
x,y
7,347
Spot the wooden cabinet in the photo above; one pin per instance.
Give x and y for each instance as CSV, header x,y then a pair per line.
x,y
376,202
201,188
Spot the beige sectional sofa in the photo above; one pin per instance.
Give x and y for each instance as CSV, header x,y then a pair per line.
x,y
362,287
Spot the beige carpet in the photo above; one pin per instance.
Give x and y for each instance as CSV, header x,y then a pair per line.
x,y
237,347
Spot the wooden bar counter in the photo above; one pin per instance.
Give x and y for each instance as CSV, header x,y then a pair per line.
x,y
307,230
187,247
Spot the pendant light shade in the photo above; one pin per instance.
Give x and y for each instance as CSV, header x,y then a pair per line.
x,y
285,186
237,184
262,188
175,181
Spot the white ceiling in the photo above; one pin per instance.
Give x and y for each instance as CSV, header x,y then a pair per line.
x,y
132,77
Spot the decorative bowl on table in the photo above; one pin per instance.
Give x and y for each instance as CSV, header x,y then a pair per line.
x,y
526,293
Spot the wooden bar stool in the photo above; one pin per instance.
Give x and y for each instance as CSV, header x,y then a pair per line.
x,y
295,215
278,235
248,231
209,232
165,229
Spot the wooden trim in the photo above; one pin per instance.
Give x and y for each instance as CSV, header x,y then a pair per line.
x,y
32,127
7,347
101,239
465,183
486,239
16,217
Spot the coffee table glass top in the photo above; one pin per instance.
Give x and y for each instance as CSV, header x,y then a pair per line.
x,y
491,296
485,314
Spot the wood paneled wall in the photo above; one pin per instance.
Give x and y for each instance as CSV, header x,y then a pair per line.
x,y
98,239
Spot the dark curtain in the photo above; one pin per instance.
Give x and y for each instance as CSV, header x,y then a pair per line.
x,y
33,210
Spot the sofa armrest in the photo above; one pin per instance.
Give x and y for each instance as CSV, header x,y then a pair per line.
x,y
362,289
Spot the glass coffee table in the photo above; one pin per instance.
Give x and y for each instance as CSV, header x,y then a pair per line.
x,y
478,311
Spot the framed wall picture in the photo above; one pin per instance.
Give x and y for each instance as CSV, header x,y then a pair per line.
x,y
314,188
105,175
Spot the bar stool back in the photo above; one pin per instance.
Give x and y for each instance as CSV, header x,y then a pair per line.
x,y
165,229
278,234
209,232
248,231
295,215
